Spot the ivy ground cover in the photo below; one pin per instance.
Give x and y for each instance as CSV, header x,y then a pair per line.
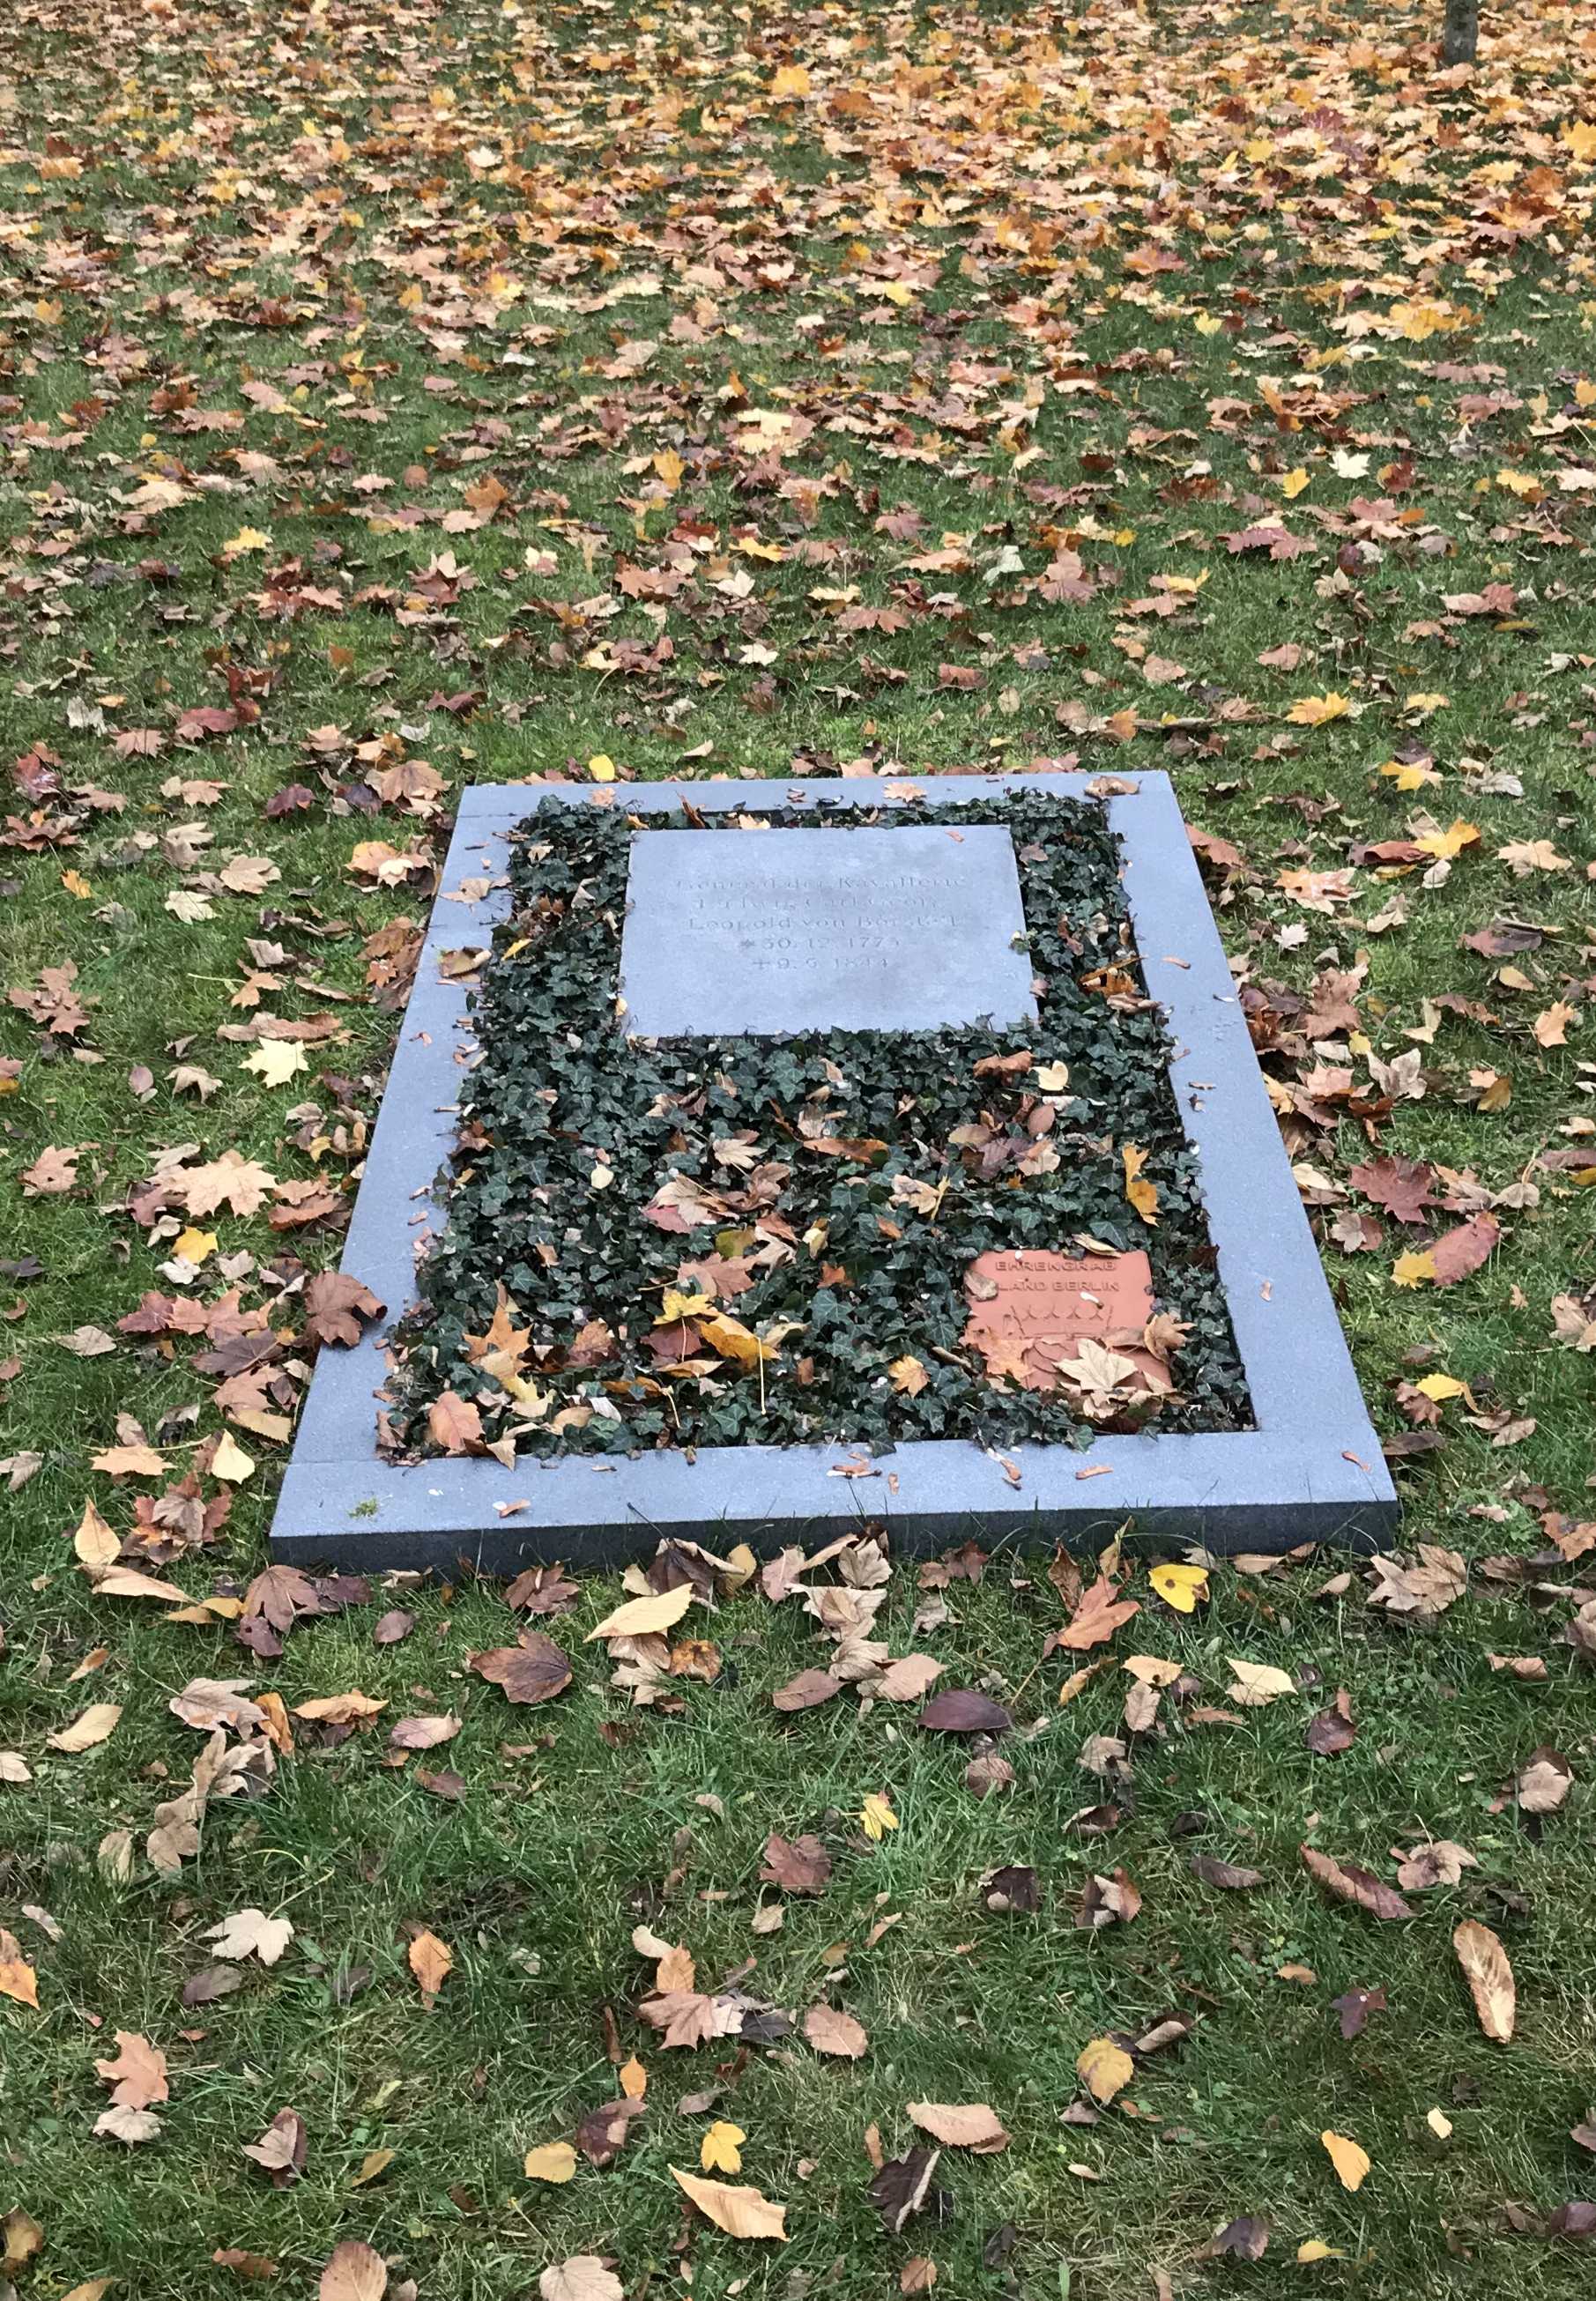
x,y
715,1241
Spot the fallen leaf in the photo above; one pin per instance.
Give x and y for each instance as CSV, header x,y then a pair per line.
x,y
740,2212
92,1726
720,2150
430,1961
1351,2163
960,2125
1489,1978
830,2030
1105,2069
555,2162
354,2273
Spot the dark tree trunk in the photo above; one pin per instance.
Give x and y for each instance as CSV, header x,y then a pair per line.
x,y
1461,37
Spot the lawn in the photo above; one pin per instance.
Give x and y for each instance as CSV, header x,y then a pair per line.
x,y
392,399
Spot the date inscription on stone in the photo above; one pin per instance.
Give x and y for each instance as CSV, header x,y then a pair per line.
x,y
752,933
1029,1309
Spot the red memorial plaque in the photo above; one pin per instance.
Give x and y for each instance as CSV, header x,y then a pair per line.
x,y
1029,1309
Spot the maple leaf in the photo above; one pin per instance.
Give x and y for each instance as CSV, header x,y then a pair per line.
x,y
230,1180
1101,1613
336,1304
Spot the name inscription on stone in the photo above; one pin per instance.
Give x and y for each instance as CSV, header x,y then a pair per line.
x,y
757,932
1029,1309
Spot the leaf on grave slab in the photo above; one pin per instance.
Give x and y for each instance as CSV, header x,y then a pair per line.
x,y
642,1618
1142,1195
585,2277
1351,2163
1104,2069
555,2162
1345,1882
798,1865
354,2273
740,2212
961,1710
830,2030
960,2125
533,1670
455,1425
432,1961
734,1341
1490,1977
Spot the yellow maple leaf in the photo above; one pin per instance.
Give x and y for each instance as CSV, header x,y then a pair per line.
x,y
1180,1587
877,1816
718,2152
1451,841
1518,484
247,539
77,884
1409,776
1294,483
602,767
1351,2163
677,1306
195,1245
1580,137
1315,710
791,79
1413,1269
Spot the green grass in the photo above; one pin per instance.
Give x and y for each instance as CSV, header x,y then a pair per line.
x,y
216,240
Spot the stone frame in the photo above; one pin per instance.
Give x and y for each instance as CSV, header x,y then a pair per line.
x,y
1310,1469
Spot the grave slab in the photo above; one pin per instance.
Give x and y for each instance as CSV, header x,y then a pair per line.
x,y
1310,1469
900,929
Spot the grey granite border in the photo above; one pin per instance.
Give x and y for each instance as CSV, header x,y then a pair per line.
x,y
1311,1470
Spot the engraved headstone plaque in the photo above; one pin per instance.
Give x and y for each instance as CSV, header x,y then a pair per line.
x,y
756,933
1029,1309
